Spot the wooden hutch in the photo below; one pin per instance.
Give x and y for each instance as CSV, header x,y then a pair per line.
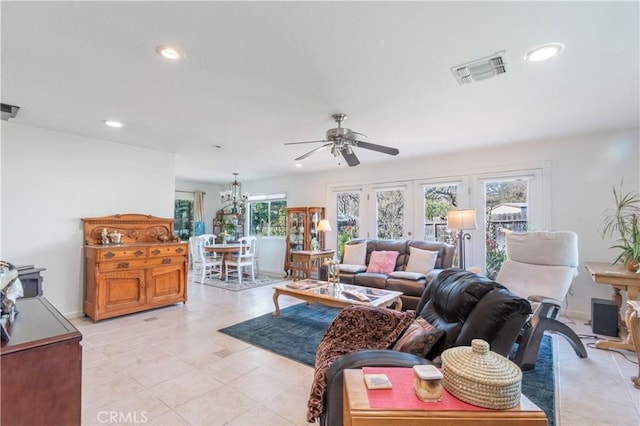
x,y
302,229
147,269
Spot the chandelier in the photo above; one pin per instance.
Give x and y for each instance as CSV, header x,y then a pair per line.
x,y
234,196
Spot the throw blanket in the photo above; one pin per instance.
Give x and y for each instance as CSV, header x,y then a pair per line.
x,y
356,328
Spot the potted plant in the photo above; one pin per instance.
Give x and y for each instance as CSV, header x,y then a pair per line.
x,y
621,221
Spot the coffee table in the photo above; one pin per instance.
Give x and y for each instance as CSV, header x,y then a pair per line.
x,y
337,295
357,411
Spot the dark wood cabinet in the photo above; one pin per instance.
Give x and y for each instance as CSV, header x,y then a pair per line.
x,y
41,367
302,231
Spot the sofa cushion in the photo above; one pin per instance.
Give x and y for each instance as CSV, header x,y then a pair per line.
x,y
421,260
353,269
382,262
356,328
355,254
415,276
419,338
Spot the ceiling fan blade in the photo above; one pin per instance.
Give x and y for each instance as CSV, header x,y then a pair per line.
x,y
350,157
356,136
313,151
298,143
379,148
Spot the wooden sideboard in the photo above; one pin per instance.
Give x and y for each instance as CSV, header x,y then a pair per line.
x,y
41,367
147,270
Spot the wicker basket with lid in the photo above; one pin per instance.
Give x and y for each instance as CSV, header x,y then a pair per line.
x,y
480,377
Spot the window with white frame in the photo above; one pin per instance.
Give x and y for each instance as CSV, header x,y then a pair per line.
x,y
268,215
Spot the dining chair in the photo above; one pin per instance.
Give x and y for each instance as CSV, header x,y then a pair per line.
x,y
245,259
205,266
209,240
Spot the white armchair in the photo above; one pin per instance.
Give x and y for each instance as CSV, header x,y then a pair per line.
x,y
540,266
205,266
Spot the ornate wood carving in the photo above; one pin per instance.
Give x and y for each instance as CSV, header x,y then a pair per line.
x,y
135,228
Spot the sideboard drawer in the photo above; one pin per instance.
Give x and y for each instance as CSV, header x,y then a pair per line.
x,y
168,250
122,265
122,253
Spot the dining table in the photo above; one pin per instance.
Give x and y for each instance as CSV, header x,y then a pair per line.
x,y
226,250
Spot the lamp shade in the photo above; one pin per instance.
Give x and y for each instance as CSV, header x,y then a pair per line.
x,y
324,225
461,219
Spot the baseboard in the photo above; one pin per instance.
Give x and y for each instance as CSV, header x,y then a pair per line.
x,y
74,314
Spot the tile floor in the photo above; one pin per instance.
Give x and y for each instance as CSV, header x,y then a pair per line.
x,y
170,366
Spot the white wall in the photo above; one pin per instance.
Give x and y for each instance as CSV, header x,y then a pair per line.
x,y
50,180
583,170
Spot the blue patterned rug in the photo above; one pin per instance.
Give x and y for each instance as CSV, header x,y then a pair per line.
x,y
298,330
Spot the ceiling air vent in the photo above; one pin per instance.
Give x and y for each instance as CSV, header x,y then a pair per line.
x,y
481,69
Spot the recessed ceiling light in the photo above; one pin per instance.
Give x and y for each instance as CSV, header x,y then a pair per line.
x,y
298,164
544,52
169,52
113,123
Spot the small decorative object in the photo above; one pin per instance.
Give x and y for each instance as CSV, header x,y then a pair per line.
x,y
10,291
315,244
333,269
105,236
428,383
163,238
115,237
481,377
377,381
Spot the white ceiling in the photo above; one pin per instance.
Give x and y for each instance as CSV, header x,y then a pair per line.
x,y
258,74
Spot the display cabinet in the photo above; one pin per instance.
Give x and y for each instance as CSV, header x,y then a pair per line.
x,y
231,223
302,232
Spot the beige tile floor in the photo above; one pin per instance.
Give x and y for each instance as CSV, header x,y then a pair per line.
x,y
170,366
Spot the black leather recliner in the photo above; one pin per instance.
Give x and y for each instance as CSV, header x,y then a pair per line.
x,y
465,305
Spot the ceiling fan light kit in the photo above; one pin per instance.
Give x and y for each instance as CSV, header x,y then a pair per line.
x,y
342,141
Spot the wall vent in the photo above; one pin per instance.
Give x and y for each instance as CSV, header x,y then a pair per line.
x,y
481,69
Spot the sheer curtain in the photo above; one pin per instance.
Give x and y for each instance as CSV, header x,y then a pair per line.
x,y
198,212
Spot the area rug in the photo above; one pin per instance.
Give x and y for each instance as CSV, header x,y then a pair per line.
x,y
234,285
298,330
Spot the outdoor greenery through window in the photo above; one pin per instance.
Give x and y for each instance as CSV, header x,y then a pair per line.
x,y
268,218
438,200
390,213
348,209
506,209
183,214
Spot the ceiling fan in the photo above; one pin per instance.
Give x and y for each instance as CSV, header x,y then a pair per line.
x,y
342,141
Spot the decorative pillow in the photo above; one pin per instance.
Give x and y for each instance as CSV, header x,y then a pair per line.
x,y
355,254
421,260
407,275
354,269
419,338
356,328
382,262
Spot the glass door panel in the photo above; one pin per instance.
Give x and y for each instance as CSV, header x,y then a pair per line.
x,y
390,213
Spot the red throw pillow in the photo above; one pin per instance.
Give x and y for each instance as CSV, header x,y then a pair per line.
x,y
382,262
419,338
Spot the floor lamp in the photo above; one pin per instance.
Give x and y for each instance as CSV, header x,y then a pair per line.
x,y
324,226
462,220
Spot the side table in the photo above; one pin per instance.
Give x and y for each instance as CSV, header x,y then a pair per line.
x,y
305,261
633,322
358,412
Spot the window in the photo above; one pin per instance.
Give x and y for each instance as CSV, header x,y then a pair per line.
x,y
268,215
438,200
390,213
183,214
348,220
506,208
